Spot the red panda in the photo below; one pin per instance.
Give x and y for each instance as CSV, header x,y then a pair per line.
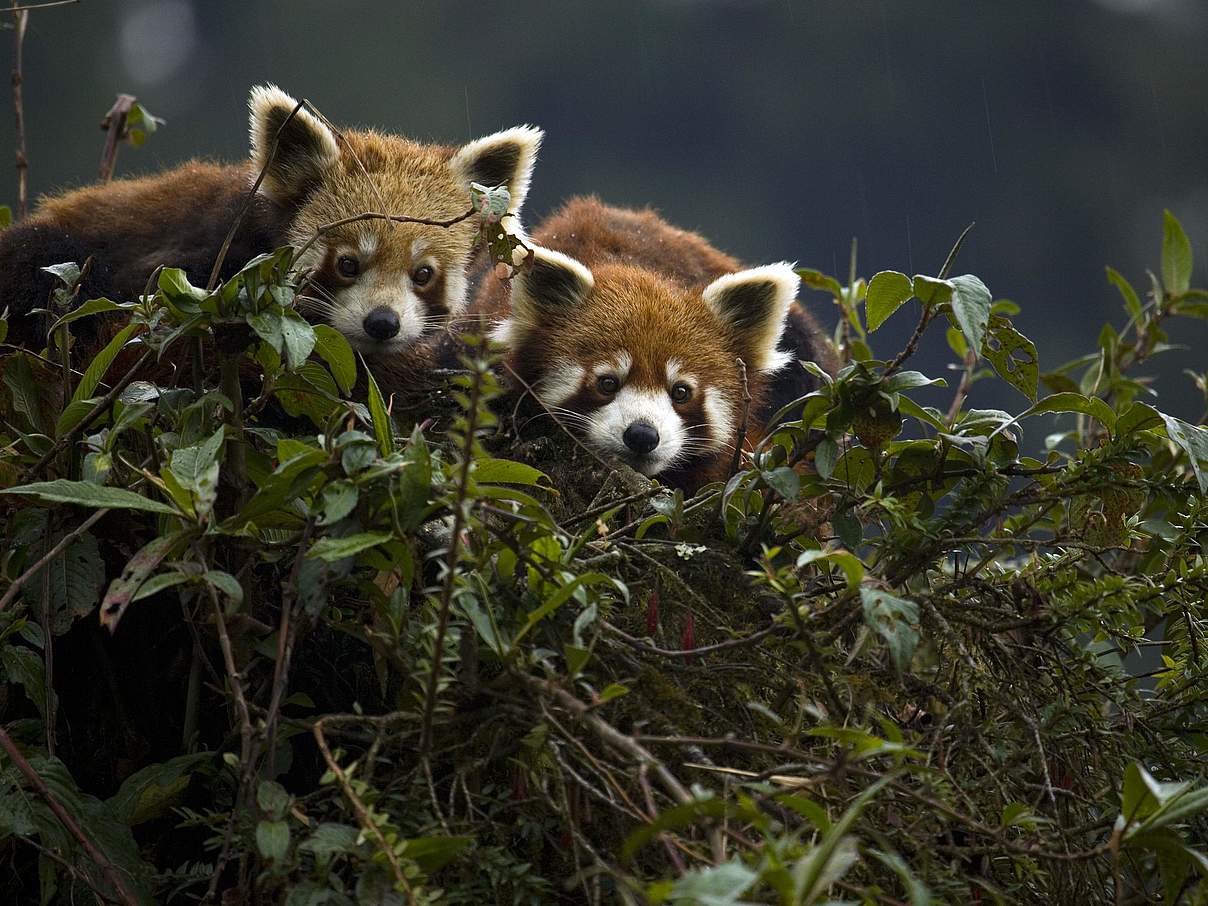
x,y
382,284
629,329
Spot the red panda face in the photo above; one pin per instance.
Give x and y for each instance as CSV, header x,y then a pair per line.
x,y
642,368
381,283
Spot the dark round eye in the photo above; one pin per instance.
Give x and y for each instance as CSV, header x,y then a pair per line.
x,y
422,275
681,393
608,384
348,266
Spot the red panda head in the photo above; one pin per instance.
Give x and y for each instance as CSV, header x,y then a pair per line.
x,y
641,367
380,283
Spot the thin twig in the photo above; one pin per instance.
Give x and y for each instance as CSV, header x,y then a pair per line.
x,y
368,824
326,228
112,875
248,199
638,645
287,634
114,125
48,3
100,408
451,562
20,20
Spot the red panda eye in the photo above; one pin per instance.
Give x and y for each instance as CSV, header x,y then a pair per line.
x,y
422,276
608,384
681,393
348,266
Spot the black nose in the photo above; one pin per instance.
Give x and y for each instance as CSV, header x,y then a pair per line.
x,y
641,437
381,324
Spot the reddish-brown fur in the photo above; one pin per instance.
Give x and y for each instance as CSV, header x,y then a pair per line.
x,y
648,279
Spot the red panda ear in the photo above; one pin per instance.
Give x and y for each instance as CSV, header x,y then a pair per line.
x,y
306,148
754,303
503,159
544,290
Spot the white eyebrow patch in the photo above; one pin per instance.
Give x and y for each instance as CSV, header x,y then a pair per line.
x,y
620,366
675,372
560,384
418,247
367,244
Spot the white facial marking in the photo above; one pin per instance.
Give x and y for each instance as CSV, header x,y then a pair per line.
x,y
717,408
456,292
561,383
637,404
367,244
618,366
418,247
378,290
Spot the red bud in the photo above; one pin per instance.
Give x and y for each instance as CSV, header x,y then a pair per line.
x,y
652,614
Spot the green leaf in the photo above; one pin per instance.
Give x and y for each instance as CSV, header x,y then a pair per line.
x,y
272,840
1071,402
76,577
20,380
815,279
1132,303
1013,356
1192,440
25,667
333,348
267,325
93,374
886,293
85,493
826,454
338,499
784,481
891,618
971,308
330,549
931,291
196,470
153,791
1137,417
505,471
272,798
382,429
717,885
136,572
298,339
434,853
851,565
563,594
1176,256
918,892
92,307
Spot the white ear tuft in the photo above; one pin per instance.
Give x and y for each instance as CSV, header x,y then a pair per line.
x,y
503,159
754,303
546,288
306,148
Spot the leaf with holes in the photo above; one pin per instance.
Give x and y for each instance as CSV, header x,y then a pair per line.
x,y
122,589
1013,356
893,619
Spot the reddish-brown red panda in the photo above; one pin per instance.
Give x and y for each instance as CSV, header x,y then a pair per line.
x,y
629,329
382,284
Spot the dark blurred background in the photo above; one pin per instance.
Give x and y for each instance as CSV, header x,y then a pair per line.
x,y
779,129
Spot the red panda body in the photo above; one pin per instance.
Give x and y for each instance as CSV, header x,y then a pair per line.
x,y
383,284
630,330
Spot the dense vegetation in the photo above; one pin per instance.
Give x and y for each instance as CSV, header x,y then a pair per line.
x,y
270,635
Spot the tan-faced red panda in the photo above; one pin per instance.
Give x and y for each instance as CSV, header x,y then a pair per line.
x,y
629,329
382,284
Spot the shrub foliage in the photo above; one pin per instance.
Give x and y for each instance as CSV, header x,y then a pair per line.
x,y
269,635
